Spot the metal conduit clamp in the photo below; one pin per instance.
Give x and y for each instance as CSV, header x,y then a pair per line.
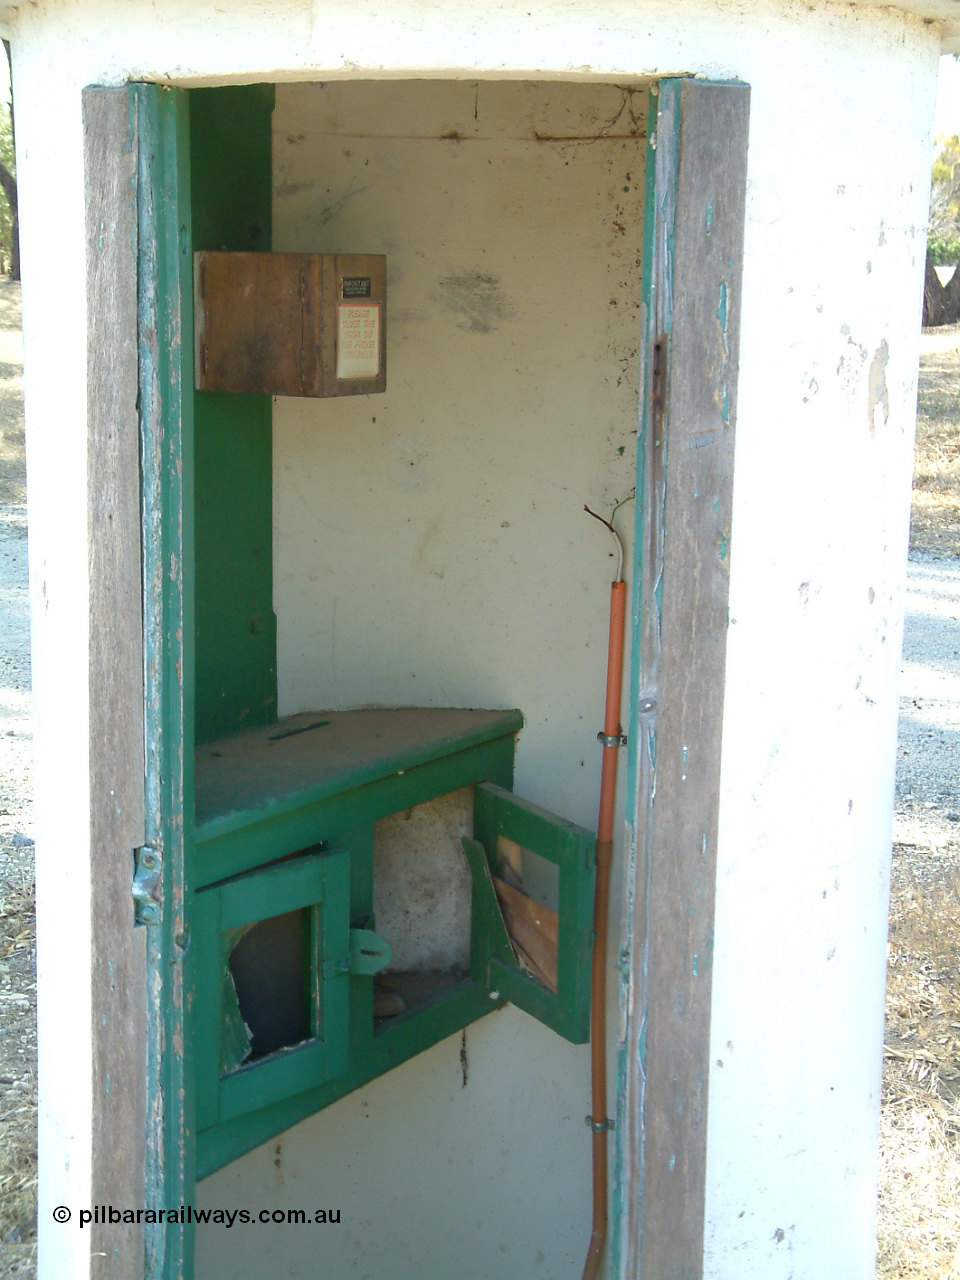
x,y
598,1126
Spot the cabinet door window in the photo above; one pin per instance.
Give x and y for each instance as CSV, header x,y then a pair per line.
x,y
533,909
273,983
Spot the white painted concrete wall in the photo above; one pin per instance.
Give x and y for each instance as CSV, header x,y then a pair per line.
x,y
833,257
57,504
839,157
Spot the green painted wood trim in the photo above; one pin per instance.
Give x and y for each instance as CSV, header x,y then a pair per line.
x,y
249,839
166,409
388,1049
283,1074
331,942
235,626
320,882
272,891
572,850
231,158
663,123
437,750
207,1010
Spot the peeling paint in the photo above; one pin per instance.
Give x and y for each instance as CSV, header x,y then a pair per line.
x,y
879,395
701,441
722,314
852,359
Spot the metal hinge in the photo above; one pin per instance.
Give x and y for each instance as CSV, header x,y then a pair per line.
x,y
659,386
369,953
147,867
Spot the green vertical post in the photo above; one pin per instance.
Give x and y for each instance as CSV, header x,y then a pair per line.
x,y
165,322
236,631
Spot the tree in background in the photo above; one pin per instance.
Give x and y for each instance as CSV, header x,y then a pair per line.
x,y
941,303
943,234
9,214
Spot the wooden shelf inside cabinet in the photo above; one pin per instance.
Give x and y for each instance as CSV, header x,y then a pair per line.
x,y
290,324
267,791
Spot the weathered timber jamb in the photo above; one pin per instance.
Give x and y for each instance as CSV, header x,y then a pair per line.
x,y
118,970
694,211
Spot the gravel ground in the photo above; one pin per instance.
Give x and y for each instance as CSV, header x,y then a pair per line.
x,y
928,803
18,961
18,971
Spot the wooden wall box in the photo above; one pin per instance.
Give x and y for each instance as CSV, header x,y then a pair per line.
x,y
290,324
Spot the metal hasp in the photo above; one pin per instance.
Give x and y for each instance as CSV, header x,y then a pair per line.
x,y
369,953
146,889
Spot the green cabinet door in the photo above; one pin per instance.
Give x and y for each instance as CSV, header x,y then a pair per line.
x,y
532,928
305,902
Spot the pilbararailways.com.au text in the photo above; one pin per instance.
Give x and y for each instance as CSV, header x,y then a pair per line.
x,y
107,1214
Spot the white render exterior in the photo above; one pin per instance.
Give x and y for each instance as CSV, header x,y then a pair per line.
x,y
841,113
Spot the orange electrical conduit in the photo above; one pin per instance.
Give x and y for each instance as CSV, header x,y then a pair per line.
x,y
611,739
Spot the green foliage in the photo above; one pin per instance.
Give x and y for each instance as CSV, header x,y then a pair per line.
x,y
943,234
944,247
8,159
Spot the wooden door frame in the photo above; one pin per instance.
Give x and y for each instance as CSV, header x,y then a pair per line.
x,y
139,270
115,681
138,274
693,259
165,324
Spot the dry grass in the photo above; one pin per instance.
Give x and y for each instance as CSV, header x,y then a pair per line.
x,y
18,1106
919,1212
935,523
